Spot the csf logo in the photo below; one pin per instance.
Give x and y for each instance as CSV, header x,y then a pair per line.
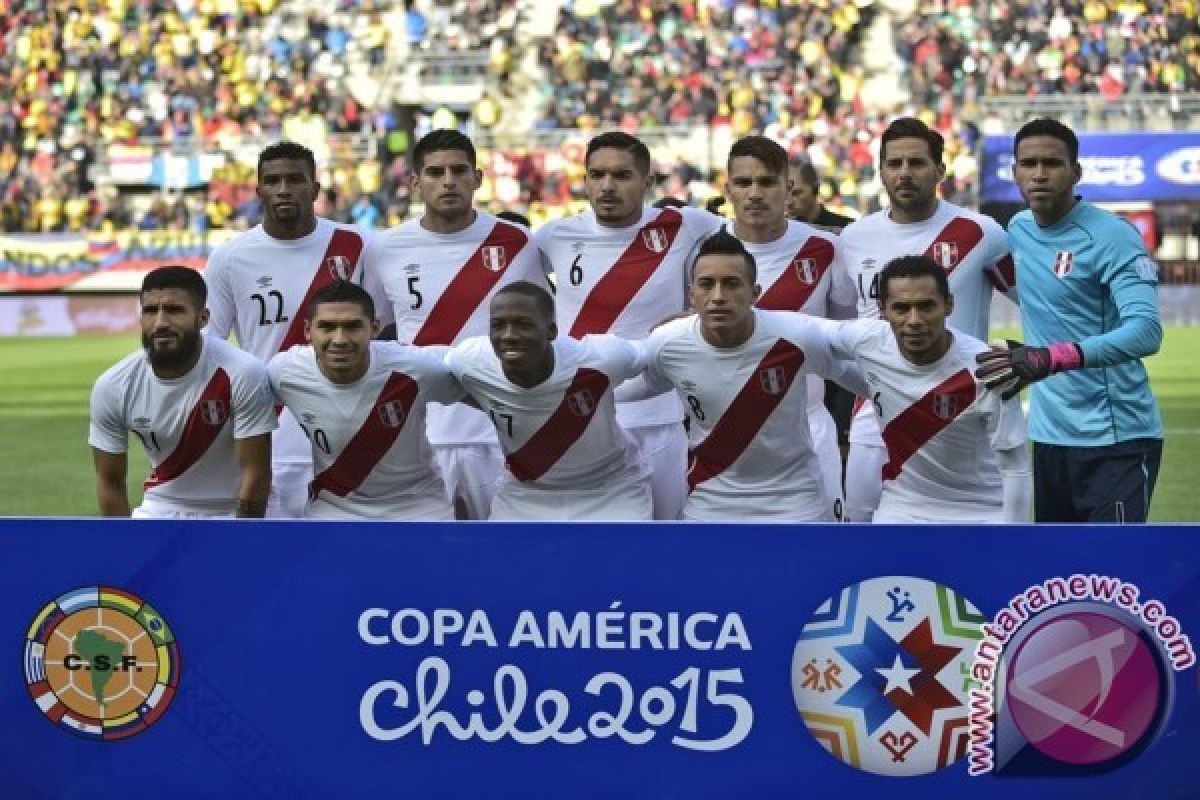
x,y
101,663
340,268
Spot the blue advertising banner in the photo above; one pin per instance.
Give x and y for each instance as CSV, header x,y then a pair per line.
x,y
311,660
1117,167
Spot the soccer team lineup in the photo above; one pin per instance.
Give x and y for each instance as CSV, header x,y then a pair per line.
x,y
633,362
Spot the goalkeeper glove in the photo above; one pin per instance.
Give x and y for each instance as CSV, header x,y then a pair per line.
x,y
1010,366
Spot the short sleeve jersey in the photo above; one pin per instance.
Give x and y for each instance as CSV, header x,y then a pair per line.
x,y
187,425
562,433
438,287
370,455
624,281
972,248
258,289
751,450
1085,274
941,426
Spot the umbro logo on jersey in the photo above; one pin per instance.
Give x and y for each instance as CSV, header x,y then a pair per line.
x,y
655,239
581,403
412,269
391,414
688,386
309,417
945,406
339,267
494,258
141,422
214,412
945,254
774,380
1064,262
806,270
868,264
263,281
577,247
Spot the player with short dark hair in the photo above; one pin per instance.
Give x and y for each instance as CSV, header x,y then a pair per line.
x,y
970,247
259,283
622,268
1089,311
804,197
550,398
201,408
362,404
438,273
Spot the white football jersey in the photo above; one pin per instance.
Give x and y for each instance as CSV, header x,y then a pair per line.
x,y
973,250
624,281
751,449
370,456
187,425
941,426
438,288
562,433
258,288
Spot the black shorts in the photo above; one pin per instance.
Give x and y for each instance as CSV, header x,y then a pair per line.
x,y
841,407
1110,483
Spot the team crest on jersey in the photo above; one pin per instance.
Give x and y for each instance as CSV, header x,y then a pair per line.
x,y
655,239
339,267
391,413
494,258
806,270
945,406
1064,262
945,254
774,380
581,403
214,412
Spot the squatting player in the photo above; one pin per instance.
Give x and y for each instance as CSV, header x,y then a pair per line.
x,y
362,404
438,273
259,284
956,450
550,398
621,268
970,247
201,408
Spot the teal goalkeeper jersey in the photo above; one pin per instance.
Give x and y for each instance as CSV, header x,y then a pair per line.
x,y
1088,279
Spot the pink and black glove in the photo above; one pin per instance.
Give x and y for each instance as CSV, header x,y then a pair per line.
x,y
1011,366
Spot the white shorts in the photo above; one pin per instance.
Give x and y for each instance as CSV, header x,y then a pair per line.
x,y
626,500
829,455
289,490
472,474
431,508
662,453
153,510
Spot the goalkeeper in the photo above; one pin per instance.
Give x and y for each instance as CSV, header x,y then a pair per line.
x,y
1090,314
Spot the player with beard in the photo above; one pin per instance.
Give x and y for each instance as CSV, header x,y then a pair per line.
x,y
363,404
434,276
971,248
202,409
621,268
550,398
260,282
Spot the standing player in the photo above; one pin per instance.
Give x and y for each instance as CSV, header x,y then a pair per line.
x,y
201,408
1089,310
956,451
804,197
362,404
798,270
259,284
970,247
742,373
437,274
551,400
622,268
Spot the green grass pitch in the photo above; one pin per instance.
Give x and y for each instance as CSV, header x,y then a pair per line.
x,y
47,466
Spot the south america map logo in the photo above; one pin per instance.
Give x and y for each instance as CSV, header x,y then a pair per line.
x,y
101,662
881,674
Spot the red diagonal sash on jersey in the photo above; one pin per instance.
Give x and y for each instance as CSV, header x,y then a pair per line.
x,y
746,415
564,427
478,276
924,419
617,287
378,433
800,278
1004,274
339,261
204,422
955,242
